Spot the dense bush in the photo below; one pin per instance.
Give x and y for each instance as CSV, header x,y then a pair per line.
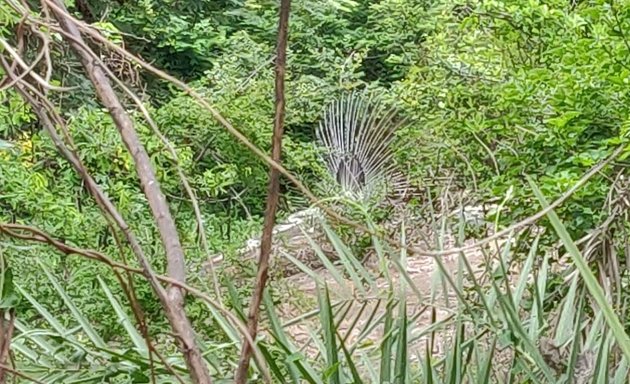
x,y
494,91
505,89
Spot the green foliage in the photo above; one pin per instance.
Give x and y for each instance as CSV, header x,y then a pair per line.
x,y
494,90
8,18
15,117
55,352
182,37
504,89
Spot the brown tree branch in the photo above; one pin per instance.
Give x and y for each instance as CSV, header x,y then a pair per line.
x,y
169,147
43,108
157,202
7,327
108,209
20,374
144,169
127,286
272,194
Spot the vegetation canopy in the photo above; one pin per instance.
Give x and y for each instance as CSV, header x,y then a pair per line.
x,y
327,191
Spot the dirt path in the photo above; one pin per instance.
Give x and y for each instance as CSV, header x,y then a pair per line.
x,y
356,310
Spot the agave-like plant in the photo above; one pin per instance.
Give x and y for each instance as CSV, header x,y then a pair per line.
x,y
357,131
500,327
66,347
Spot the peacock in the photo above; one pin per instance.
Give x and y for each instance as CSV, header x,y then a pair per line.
x,y
356,132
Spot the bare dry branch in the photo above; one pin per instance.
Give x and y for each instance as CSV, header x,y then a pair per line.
x,y
106,206
157,202
28,70
14,372
272,194
6,334
101,199
169,147
42,108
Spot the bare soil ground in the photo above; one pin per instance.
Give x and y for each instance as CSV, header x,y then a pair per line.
x,y
427,302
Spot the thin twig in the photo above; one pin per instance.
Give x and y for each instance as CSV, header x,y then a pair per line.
x,y
7,328
20,374
273,193
621,31
29,69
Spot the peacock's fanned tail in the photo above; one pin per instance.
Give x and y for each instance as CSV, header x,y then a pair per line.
x,y
357,132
